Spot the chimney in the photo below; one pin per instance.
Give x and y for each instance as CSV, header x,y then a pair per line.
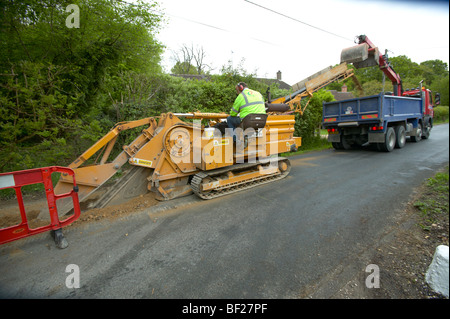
x,y
279,75
344,88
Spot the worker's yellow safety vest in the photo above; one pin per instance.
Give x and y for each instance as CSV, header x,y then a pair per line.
x,y
248,102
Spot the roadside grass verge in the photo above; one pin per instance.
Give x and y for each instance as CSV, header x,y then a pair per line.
x,y
433,205
316,144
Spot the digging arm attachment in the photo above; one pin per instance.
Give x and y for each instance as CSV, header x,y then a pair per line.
x,y
91,177
149,154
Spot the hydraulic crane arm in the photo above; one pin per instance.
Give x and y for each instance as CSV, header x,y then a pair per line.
x,y
366,54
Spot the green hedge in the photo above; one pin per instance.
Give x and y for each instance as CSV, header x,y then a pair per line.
x,y
441,114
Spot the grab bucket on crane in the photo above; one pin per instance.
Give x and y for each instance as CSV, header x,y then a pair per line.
x,y
361,56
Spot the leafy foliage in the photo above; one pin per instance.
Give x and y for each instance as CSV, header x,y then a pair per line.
x,y
54,79
308,123
441,114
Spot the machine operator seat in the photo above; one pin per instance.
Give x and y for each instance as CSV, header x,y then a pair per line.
x,y
254,121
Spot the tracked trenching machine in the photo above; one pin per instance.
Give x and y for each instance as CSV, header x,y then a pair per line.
x,y
176,154
174,157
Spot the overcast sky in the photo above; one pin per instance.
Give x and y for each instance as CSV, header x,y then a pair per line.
x,y
300,37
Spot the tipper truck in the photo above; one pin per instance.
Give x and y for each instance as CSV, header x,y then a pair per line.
x,y
386,119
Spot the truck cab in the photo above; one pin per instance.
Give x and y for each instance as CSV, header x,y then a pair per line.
x,y
427,97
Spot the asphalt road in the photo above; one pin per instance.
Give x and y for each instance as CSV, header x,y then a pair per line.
x,y
301,237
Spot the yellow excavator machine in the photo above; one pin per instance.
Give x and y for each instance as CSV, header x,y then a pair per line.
x,y
174,157
176,154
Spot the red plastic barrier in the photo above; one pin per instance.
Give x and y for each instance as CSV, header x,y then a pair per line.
x,y
19,179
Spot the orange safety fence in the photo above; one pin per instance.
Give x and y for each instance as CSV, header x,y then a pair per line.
x,y
43,175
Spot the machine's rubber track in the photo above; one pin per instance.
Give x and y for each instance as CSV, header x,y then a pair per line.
x,y
197,180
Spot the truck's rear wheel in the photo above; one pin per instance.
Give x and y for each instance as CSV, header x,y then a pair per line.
x,y
342,145
400,134
337,145
345,144
389,141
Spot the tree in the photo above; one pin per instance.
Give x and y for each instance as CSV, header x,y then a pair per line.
x,y
189,60
441,85
373,87
307,123
405,67
438,67
183,68
199,58
53,78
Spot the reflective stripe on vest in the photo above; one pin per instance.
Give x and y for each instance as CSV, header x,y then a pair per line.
x,y
246,102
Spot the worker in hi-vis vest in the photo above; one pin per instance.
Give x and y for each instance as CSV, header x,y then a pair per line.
x,y
247,102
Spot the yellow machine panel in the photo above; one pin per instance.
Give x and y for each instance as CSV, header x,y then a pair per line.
x,y
215,152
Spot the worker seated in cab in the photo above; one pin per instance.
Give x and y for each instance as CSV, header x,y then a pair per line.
x,y
248,110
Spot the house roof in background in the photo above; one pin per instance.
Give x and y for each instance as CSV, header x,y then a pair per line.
x,y
192,76
339,96
281,84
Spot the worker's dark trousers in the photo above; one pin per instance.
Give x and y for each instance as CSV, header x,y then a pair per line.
x,y
233,122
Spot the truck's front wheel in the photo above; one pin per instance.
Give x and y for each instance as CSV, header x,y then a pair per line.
x,y
389,140
416,138
426,132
